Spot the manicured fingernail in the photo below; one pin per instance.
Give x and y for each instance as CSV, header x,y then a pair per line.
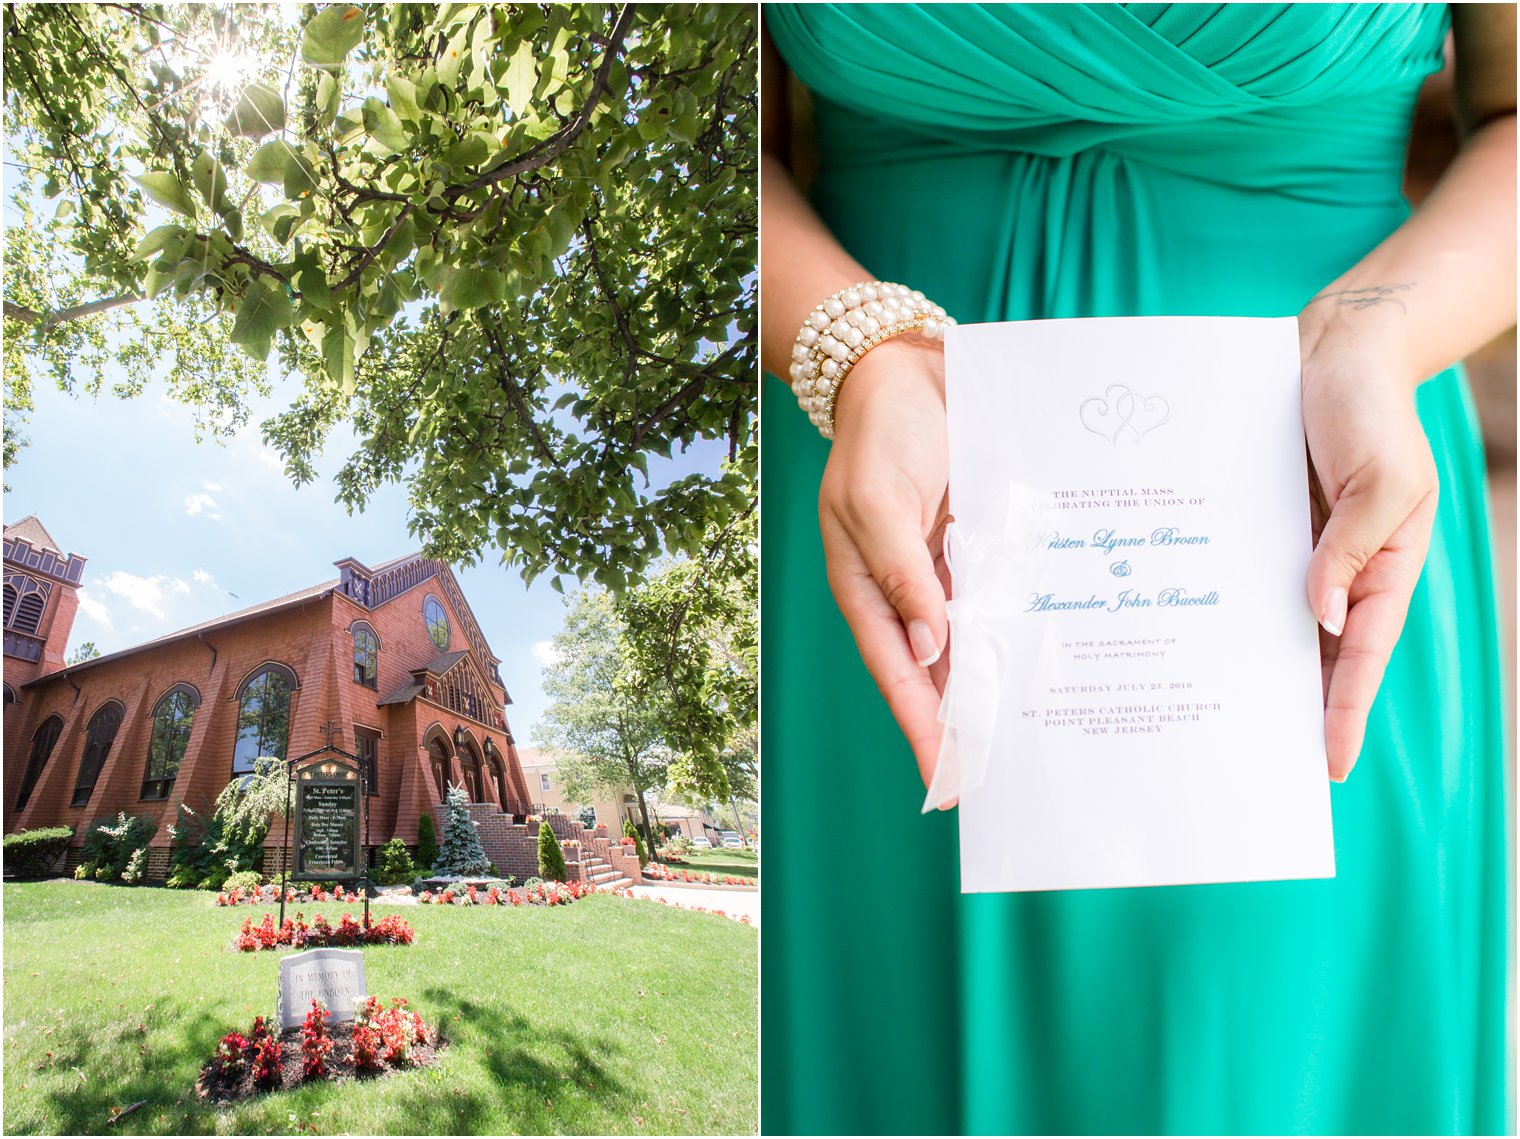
x,y
1334,616
950,805
921,641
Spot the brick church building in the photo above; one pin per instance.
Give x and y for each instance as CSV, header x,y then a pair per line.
x,y
388,659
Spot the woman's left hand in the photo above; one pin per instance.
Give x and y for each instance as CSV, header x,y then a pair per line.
x,y
1376,501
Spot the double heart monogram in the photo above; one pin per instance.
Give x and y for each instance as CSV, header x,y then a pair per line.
x,y
1121,413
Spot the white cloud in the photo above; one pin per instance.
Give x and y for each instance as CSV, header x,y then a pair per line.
x,y
94,608
546,654
195,503
201,577
271,459
145,593
211,486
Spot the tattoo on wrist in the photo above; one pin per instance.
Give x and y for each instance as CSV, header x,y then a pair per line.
x,y
1368,297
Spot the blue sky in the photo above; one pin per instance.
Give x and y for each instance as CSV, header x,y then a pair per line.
x,y
176,533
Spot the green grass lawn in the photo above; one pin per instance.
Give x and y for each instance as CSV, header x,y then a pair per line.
x,y
744,863
607,1016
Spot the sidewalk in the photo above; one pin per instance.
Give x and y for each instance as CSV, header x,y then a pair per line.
x,y
735,903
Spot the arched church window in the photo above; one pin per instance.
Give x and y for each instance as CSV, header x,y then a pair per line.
x,y
437,622
263,716
366,655
173,717
499,777
25,602
43,742
438,755
99,735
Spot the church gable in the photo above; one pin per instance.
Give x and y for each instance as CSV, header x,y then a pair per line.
x,y
385,583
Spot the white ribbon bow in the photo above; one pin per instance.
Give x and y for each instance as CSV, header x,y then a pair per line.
x,y
994,568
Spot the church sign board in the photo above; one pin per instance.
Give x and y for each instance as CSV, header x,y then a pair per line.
x,y
327,810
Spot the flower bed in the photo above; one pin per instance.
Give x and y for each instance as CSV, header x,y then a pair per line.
x,y
661,873
380,1042
267,895
543,894
296,934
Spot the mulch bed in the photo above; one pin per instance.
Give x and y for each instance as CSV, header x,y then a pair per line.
x,y
211,1086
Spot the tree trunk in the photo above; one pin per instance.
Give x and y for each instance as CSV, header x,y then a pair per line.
x,y
648,834
738,822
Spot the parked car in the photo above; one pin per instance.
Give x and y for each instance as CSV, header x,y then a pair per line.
x,y
731,840
701,844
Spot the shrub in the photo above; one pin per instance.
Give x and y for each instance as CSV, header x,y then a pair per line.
x,y
216,879
679,844
110,844
461,852
247,881
551,860
638,843
230,841
396,864
137,867
34,853
427,843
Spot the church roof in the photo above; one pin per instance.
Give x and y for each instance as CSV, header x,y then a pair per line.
x,y
34,532
289,601
410,689
443,662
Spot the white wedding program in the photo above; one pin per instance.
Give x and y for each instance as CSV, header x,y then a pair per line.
x,y
1135,694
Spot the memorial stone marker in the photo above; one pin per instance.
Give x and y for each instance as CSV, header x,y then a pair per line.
x,y
333,976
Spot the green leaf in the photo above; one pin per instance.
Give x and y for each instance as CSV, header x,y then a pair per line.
x,y
263,311
167,190
453,57
299,178
157,281
157,239
383,125
402,93
259,111
329,97
472,286
338,355
333,32
210,179
521,75
269,162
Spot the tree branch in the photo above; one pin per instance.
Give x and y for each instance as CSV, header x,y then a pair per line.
x,y
557,143
46,322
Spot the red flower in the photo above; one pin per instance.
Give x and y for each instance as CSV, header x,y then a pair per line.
x,y
266,1062
316,1044
366,1048
229,1059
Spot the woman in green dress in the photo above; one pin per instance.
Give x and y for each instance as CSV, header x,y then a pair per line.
x,y
1062,160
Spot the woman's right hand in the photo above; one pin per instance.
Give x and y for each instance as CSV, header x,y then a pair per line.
x,y
882,510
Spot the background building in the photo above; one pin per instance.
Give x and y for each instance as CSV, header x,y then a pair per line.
x,y
540,768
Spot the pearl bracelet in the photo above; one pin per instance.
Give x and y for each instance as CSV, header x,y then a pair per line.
x,y
843,329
